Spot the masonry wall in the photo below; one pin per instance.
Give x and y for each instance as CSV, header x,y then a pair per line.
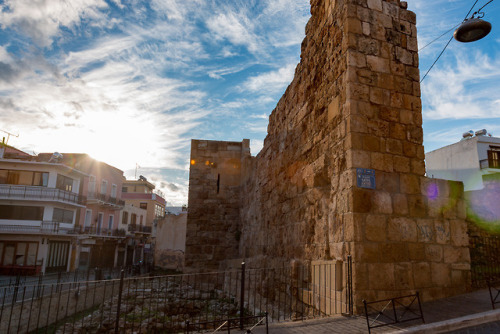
x,y
214,202
355,103
171,242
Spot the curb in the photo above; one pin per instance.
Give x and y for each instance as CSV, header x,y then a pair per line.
x,y
454,324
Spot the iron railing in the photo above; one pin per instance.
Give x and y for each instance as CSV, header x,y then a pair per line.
x,y
393,311
139,228
40,193
93,230
44,227
93,196
485,259
176,303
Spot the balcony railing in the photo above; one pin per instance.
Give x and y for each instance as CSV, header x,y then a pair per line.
x,y
489,163
139,228
45,227
8,191
92,230
105,200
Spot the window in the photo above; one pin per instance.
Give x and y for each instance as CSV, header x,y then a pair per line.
x,y
124,189
133,219
110,222
18,212
159,211
18,253
104,187
143,205
88,218
62,216
40,179
100,218
494,158
113,190
124,217
24,178
64,183
92,185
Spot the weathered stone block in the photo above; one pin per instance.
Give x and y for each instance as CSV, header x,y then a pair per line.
x,y
381,276
425,229
441,274
382,202
402,229
400,204
402,275
375,4
422,275
378,64
401,164
434,253
376,227
410,184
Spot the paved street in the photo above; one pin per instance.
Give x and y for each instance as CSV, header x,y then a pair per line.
x,y
436,313
489,328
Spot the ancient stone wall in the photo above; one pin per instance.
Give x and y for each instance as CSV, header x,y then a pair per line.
x,y
354,106
214,202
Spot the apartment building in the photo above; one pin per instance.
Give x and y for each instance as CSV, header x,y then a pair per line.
x,y
39,206
141,193
102,243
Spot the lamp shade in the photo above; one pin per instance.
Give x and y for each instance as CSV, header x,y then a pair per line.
x,y
472,30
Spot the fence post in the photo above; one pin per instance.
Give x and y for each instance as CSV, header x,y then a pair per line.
x,y
242,294
120,290
16,288
349,284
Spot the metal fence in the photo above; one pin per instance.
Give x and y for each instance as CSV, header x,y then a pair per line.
x,y
178,303
485,259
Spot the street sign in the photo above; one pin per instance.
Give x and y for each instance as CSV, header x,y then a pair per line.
x,y
365,178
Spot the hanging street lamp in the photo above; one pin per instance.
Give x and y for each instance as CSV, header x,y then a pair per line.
x,y
472,30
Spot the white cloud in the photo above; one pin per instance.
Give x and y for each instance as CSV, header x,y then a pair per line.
x,y
237,29
464,91
42,19
271,81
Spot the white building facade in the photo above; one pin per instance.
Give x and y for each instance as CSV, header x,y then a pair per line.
x,y
474,160
39,204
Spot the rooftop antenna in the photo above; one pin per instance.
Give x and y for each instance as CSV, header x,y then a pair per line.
x,y
136,167
8,135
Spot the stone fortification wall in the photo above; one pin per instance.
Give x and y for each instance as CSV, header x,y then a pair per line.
x,y
354,107
355,103
214,202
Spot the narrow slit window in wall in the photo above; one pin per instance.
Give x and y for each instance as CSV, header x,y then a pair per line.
x,y
218,183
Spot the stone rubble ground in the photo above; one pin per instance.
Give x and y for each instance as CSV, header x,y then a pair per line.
x,y
449,314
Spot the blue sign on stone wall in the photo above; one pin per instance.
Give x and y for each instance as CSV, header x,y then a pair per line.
x,y
366,178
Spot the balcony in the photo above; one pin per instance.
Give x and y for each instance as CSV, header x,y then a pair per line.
x,y
105,201
32,193
103,232
489,163
45,227
133,228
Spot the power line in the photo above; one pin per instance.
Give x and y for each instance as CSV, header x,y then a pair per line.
x,y
438,37
434,63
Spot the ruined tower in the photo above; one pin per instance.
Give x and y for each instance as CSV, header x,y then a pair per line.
x,y
342,167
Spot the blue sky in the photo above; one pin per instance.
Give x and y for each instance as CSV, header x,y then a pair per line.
x,y
132,82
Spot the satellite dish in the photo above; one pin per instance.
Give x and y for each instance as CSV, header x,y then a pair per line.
x,y
56,157
472,30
